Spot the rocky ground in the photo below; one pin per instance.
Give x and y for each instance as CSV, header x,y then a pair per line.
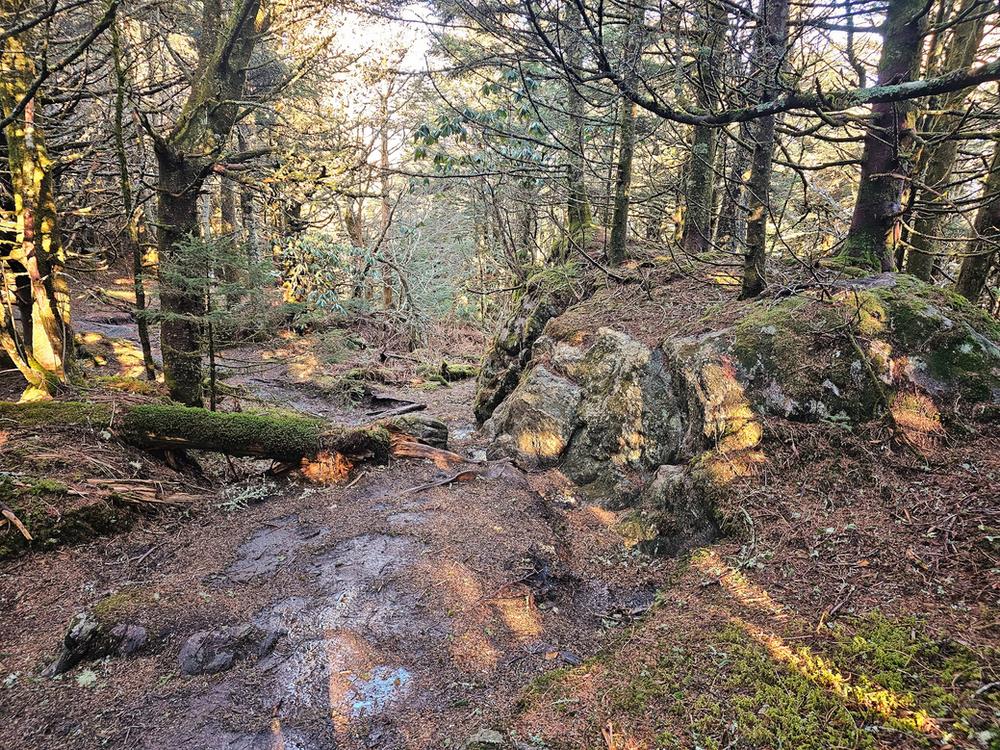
x,y
851,602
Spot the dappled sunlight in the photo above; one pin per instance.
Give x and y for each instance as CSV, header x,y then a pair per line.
x,y
604,516
347,655
129,356
737,584
918,421
304,366
894,708
864,310
520,615
459,580
730,421
543,443
618,739
473,652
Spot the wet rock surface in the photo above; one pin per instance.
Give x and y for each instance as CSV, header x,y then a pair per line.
x,y
210,651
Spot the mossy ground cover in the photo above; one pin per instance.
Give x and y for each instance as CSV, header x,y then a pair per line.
x,y
53,516
868,682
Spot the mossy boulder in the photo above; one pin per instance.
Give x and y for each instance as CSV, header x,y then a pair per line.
x,y
536,422
850,355
608,409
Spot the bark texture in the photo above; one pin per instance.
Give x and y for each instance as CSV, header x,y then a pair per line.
x,y
887,161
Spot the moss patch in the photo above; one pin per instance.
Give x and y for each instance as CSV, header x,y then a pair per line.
x,y
870,682
52,518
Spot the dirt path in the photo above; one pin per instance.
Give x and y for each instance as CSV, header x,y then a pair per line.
x,y
404,619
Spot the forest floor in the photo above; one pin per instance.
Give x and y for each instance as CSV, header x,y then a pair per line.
x,y
412,616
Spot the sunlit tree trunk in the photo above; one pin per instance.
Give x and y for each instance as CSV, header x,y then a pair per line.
x,y
42,354
887,160
940,158
184,158
772,39
982,251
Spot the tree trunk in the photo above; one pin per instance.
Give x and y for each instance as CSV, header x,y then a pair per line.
x,y
43,353
282,438
130,215
248,216
732,226
182,309
887,160
983,249
699,194
623,183
940,159
185,157
579,213
773,39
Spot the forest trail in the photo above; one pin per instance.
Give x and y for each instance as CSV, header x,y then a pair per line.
x,y
405,618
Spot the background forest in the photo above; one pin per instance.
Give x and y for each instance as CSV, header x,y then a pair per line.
x,y
421,161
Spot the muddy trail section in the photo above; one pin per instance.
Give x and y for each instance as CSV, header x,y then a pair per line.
x,y
375,613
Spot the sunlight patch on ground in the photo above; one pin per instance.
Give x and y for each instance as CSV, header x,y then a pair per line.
x,y
604,516
895,708
738,585
472,651
520,615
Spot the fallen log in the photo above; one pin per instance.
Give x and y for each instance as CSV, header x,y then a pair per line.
x,y
154,426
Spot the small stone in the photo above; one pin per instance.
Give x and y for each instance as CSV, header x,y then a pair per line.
x,y
210,651
88,639
485,739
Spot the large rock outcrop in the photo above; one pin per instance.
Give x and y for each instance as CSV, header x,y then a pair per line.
x,y
665,427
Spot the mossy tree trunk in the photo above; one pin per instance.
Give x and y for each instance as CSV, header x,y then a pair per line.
x,y
938,160
185,157
982,250
578,210
157,427
43,348
887,160
772,40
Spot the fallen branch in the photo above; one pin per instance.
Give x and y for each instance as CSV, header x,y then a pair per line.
x,y
11,518
463,476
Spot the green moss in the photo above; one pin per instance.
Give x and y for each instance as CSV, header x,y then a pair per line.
x,y
40,505
48,413
127,384
121,605
900,656
280,437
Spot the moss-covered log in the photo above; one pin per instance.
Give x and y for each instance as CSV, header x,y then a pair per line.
x,y
279,436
